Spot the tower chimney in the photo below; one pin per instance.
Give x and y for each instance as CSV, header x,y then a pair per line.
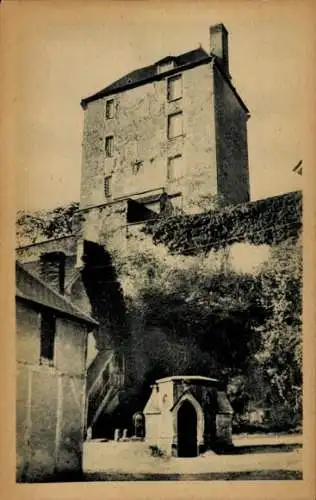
x,y
219,45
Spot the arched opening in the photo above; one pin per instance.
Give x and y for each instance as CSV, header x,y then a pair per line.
x,y
187,430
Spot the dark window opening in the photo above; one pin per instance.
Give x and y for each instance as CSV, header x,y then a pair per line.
x,y
109,143
107,186
138,212
109,109
48,330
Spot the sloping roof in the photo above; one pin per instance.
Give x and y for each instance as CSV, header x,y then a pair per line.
x,y
141,75
33,289
71,273
149,73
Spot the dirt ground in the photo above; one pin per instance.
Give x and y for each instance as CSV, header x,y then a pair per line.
x,y
254,457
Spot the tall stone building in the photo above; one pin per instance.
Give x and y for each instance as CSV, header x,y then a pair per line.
x,y
171,136
173,131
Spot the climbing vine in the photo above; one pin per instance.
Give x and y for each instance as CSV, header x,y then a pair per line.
x,y
268,221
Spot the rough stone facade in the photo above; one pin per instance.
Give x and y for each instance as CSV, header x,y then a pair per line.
x,y
50,405
139,130
106,225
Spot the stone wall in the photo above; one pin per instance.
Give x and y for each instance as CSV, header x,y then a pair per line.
x,y
50,408
106,225
261,222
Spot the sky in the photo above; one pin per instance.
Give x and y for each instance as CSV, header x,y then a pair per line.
x,y
67,53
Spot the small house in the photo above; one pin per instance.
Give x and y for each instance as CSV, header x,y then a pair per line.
x,y
51,349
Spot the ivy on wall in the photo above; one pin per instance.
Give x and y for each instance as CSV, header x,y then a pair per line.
x,y
42,225
267,221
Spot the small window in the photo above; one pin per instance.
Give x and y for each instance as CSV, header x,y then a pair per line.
x,y
175,167
109,142
48,330
107,186
174,88
175,126
109,109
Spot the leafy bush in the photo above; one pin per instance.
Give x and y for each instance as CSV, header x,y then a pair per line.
x,y
198,315
33,227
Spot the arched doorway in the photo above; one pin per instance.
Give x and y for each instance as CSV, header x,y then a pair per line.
x,y
187,430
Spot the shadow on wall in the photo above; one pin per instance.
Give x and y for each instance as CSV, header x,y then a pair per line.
x,y
105,295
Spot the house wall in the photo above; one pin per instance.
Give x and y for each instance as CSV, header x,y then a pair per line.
x,y
199,185
231,144
70,347
152,422
28,335
159,425
139,128
50,400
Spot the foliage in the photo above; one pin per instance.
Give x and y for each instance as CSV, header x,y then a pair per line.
x,y
267,221
33,227
194,314
199,315
280,356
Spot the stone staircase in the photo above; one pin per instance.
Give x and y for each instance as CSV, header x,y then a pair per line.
x,y
104,384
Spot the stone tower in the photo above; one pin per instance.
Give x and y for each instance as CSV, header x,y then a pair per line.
x,y
176,128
